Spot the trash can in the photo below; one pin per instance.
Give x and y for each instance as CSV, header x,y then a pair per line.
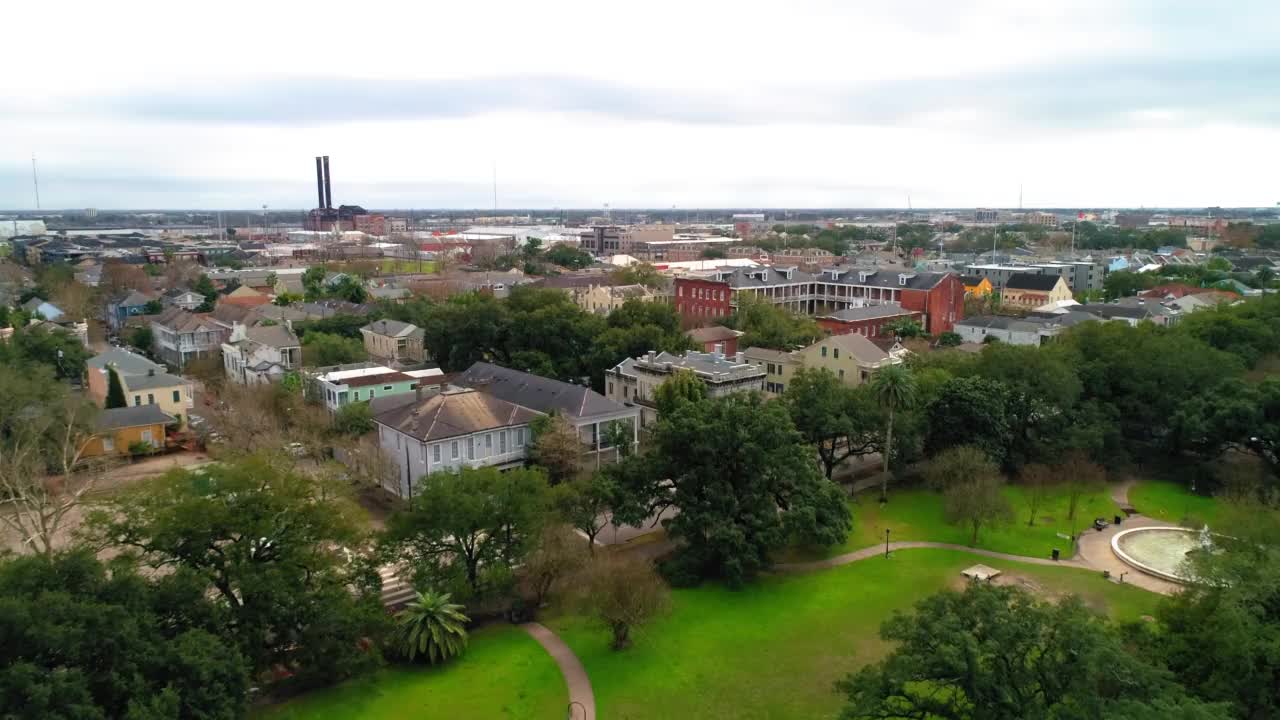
x,y
1117,520
1055,553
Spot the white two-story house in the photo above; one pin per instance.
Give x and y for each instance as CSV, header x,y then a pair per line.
x,y
450,430
260,354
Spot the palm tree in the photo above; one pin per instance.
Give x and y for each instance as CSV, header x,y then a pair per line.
x,y
432,626
894,388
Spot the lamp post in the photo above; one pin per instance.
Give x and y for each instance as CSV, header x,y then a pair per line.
x,y
584,710
886,543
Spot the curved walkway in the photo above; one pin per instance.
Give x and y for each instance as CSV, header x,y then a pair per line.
x,y
581,698
877,550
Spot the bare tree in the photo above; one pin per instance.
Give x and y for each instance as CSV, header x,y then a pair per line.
x,y
1080,476
624,592
557,448
1037,482
559,553
38,505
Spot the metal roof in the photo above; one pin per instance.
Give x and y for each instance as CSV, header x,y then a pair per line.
x,y
454,413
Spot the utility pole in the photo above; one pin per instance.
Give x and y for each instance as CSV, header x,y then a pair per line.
x,y
35,179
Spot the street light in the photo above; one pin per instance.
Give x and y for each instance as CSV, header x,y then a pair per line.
x,y
886,543
584,710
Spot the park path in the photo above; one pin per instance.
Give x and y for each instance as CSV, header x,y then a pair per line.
x,y
877,550
582,701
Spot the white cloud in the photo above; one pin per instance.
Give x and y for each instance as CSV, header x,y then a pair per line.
x,y
658,104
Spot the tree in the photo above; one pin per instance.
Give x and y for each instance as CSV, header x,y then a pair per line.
x,y
745,481
767,325
971,411
996,653
322,349
267,543
460,523
1080,477
568,257
682,388
637,274
432,627
624,593
353,420
713,253
85,642
204,286
153,307
977,502
905,328
1037,482
895,389
949,339
557,448
44,476
285,299
839,421
585,503
143,339
558,553
115,390
1124,283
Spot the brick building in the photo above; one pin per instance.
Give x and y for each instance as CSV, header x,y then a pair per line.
x,y
868,321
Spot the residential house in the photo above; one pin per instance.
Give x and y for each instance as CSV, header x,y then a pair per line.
x,y
1132,311
44,313
122,308
604,299
245,296
181,337
144,383
589,412
450,430
396,295
43,310
1027,290
707,338
361,382
851,358
1014,331
259,354
394,341
779,367
975,286
180,298
635,381
120,429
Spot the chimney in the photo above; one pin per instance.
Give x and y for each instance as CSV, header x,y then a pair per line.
x,y
328,189
740,357
718,352
649,356
319,183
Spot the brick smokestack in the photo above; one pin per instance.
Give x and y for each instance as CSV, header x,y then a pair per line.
x,y
328,189
319,183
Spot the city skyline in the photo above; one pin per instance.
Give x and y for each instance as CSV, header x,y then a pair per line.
x,y
694,106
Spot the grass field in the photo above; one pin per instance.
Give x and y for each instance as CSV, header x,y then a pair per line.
x,y
504,674
917,514
775,649
408,266
1174,502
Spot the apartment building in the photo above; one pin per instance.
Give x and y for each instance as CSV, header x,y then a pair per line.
x,y
635,380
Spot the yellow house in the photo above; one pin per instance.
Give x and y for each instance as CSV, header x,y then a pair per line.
x,y
850,357
1028,290
604,299
144,383
779,367
975,286
120,429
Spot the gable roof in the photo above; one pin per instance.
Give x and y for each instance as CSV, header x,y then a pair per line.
x,y
538,393
244,291
454,413
715,333
1030,281
392,328
862,349
972,280
124,361
147,381
179,320
276,336
124,417
134,299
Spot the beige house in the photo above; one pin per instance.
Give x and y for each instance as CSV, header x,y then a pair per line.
x,y
1029,291
144,383
851,357
392,340
604,299
779,367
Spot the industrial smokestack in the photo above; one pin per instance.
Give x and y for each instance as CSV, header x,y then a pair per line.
x,y
319,184
328,189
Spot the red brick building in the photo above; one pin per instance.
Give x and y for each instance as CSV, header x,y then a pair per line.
x,y
707,338
938,297
867,321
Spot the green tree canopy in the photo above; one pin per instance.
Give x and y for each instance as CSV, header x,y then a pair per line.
x,y
115,390
321,349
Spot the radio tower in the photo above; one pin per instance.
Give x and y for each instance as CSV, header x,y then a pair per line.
x,y
35,179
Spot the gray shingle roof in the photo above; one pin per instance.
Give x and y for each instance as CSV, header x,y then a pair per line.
x,y
1029,281
276,336
391,328
124,361
147,382
538,393
870,312
124,417
450,414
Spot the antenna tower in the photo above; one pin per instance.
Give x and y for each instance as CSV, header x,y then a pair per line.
x,y
35,179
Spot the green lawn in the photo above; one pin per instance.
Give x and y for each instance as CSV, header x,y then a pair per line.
x,y
917,514
408,266
1174,502
504,674
774,649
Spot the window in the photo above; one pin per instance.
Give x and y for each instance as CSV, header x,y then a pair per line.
x,y
519,437
471,448
502,442
835,353
488,441
610,388
177,396
386,387
435,453
151,399
146,436
108,444
137,400
841,373
453,450
824,351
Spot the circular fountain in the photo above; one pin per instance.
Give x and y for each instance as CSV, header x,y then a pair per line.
x,y
1161,551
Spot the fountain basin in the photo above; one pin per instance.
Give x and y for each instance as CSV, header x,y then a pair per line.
x,y
1158,551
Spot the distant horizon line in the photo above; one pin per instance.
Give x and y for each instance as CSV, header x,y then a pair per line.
x,y
729,209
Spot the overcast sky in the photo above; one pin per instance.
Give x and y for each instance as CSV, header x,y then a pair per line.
x,y
641,104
